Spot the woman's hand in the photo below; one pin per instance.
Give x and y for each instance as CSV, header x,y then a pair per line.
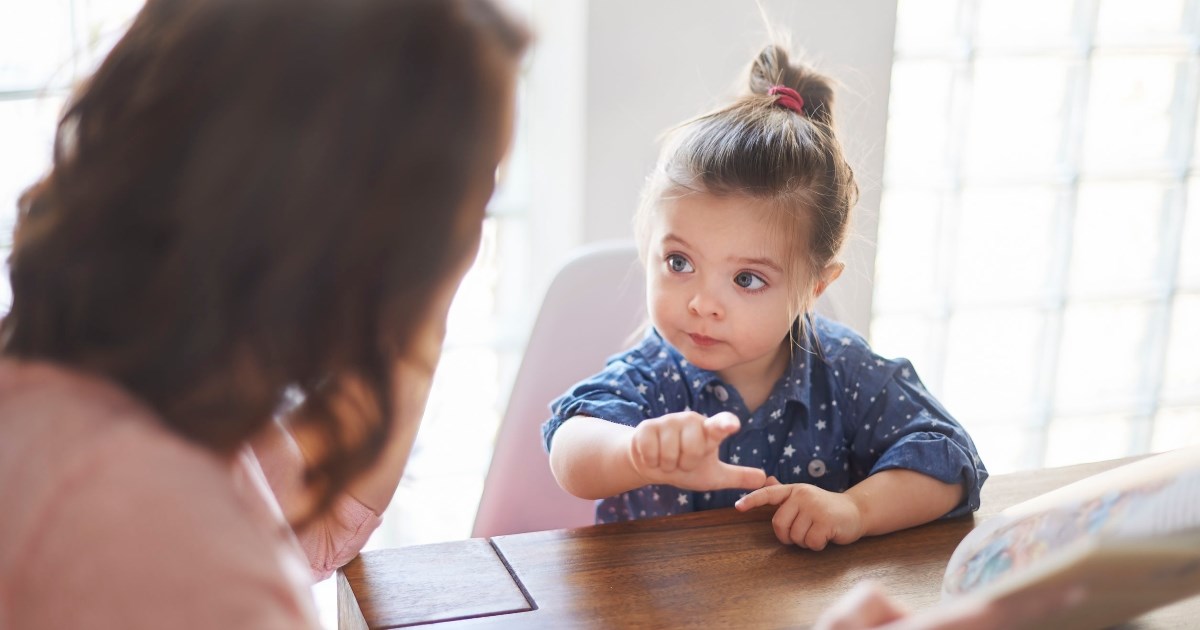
x,y
808,516
682,449
867,606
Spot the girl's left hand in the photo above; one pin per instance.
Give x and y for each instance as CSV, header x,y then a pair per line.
x,y
808,516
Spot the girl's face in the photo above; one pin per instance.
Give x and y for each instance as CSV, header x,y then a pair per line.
x,y
717,288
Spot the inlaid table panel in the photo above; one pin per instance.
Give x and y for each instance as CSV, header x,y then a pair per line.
x,y
394,588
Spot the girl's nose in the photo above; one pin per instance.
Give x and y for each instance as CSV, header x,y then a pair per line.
x,y
705,304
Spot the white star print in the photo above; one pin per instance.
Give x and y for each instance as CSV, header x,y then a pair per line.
x,y
905,373
820,425
775,414
696,383
735,459
675,376
683,499
845,341
662,399
641,388
655,496
613,382
879,362
788,450
683,362
796,470
771,438
707,496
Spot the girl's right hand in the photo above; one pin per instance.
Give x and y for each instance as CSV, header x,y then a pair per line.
x,y
681,449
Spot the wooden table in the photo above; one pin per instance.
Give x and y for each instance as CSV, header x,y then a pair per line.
x,y
710,569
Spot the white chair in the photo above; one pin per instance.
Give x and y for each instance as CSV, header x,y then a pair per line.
x,y
592,309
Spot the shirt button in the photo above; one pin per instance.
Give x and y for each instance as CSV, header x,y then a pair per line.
x,y
816,468
721,393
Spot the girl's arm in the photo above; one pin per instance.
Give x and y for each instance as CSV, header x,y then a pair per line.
x,y
590,458
593,458
897,499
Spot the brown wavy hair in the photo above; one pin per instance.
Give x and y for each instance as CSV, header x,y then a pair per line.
x,y
755,147
254,201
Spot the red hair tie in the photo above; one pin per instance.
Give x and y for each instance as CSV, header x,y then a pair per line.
x,y
788,98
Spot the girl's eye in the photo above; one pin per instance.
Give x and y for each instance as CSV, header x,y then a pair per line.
x,y
747,280
678,264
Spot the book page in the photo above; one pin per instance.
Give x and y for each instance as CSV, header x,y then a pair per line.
x,y
1143,504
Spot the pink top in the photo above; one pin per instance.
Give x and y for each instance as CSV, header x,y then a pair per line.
x,y
108,519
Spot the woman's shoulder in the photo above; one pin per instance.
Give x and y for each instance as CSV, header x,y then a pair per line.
x,y
64,431
102,502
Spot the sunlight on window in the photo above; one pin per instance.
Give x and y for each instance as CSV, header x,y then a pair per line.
x,y
1181,380
919,124
1189,254
1016,131
1006,445
925,24
1175,426
984,352
1004,245
906,266
1103,355
1091,438
1124,21
1006,23
36,45
1129,93
1039,237
1117,241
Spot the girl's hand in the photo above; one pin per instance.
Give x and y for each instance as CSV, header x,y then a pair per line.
x,y
808,516
681,449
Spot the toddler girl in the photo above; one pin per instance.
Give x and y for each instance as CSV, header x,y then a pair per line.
x,y
738,386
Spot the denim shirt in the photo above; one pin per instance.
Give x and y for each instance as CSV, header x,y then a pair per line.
x,y
839,414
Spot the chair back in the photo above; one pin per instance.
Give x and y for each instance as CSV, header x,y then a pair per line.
x,y
594,306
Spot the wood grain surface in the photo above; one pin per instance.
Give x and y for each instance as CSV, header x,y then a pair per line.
x,y
710,569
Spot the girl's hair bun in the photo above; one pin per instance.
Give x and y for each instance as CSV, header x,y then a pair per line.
x,y
772,67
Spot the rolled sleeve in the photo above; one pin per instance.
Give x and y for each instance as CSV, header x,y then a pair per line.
x,y
620,394
904,426
939,456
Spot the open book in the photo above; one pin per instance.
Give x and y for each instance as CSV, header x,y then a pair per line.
x,y
1129,536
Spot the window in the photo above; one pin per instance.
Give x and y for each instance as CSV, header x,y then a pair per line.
x,y
1039,240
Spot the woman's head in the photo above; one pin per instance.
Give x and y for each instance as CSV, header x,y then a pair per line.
x,y
776,151
252,198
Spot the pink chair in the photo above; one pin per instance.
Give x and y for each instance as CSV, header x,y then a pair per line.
x,y
592,310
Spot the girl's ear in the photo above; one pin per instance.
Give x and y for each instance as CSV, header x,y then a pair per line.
x,y
830,273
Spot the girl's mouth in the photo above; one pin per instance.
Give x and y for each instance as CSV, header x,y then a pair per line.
x,y
701,340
